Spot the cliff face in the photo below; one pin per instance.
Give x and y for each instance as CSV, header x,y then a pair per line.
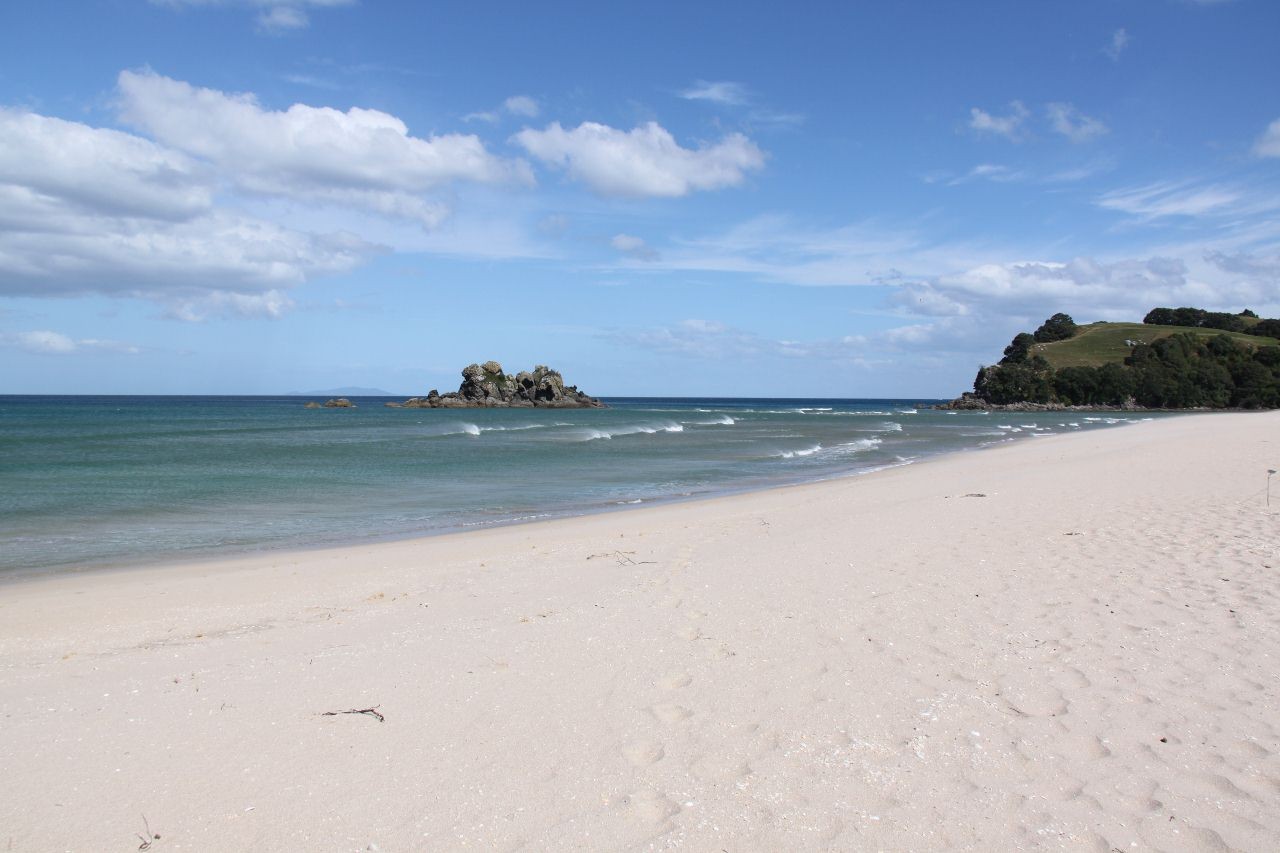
x,y
487,386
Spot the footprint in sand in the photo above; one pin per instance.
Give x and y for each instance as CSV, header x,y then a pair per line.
x,y
650,807
670,713
675,681
642,753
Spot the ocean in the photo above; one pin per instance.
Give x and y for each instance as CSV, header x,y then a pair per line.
x,y
100,481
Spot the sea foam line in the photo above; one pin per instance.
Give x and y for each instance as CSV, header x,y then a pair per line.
x,y
646,429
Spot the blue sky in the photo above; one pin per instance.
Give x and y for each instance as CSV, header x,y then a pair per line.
x,y
834,199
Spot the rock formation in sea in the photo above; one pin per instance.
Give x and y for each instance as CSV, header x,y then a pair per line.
x,y
487,386
336,403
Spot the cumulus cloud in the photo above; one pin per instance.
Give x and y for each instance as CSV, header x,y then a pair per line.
x,y
1109,289
1268,145
634,247
364,158
1073,124
645,161
45,342
1010,125
723,92
1115,47
99,170
91,210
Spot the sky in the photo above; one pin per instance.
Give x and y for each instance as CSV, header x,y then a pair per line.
x,y
853,199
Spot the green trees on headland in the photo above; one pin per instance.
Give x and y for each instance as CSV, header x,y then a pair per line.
x,y
1183,370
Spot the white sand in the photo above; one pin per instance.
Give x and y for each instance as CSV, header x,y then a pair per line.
x,y
1087,658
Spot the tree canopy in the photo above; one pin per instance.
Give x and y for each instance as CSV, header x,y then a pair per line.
x,y
1180,371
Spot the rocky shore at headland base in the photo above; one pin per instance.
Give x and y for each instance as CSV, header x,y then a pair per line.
x,y
487,386
968,401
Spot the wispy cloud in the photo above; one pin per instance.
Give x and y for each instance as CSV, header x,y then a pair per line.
x,y
1010,125
1074,125
1170,198
987,172
722,92
635,247
523,106
45,342
1268,145
274,17
1119,41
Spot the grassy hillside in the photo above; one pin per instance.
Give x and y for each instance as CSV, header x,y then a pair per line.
x,y
1099,343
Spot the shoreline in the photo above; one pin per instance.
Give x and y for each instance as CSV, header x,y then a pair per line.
x,y
1066,643
291,550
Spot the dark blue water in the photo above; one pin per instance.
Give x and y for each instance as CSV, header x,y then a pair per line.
x,y
114,480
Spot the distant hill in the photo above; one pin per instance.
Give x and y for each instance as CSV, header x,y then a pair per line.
x,y
345,391
1177,358
1105,343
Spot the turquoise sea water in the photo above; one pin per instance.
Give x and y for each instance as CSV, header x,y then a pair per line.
x,y
90,481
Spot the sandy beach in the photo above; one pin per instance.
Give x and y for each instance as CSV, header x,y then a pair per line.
x,y
1066,643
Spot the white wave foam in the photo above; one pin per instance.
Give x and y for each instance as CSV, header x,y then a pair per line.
x,y
857,446
908,412
723,420
511,428
635,429
792,454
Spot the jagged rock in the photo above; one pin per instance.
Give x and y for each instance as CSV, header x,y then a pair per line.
x,y
339,403
487,386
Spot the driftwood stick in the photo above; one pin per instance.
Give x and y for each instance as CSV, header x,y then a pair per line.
x,y
372,712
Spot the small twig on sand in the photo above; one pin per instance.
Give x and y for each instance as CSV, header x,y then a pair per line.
x,y
372,712
149,837
623,558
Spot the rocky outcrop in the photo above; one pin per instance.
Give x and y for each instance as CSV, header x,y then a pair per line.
x,y
969,401
336,403
487,386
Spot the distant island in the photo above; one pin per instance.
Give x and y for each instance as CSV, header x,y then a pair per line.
x,y
1176,358
487,386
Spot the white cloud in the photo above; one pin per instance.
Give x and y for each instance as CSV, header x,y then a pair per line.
x,y
1169,198
270,304
1073,124
646,161
45,342
1119,41
1009,126
274,17
987,172
103,171
90,210
280,19
633,246
516,105
723,92
364,158
1118,289
521,105
1268,145
713,339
